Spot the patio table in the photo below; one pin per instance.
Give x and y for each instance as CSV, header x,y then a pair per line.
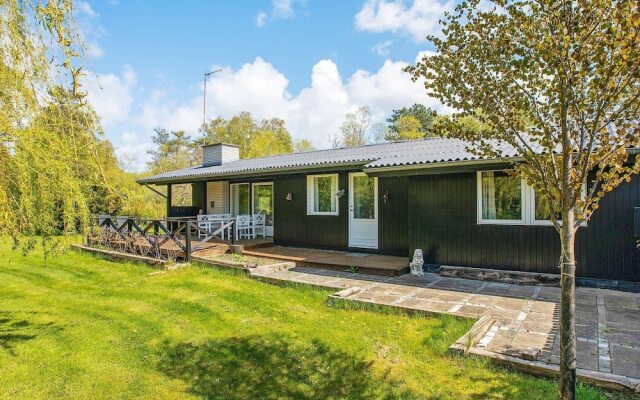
x,y
214,223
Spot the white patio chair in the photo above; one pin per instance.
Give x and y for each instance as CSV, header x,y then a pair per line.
x,y
244,227
227,218
259,222
203,223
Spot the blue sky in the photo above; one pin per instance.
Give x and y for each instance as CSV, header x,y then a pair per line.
x,y
308,62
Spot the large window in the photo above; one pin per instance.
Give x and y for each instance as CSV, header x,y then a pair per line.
x,y
240,199
263,201
506,199
501,198
321,194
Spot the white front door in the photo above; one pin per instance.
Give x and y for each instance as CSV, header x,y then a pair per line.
x,y
363,211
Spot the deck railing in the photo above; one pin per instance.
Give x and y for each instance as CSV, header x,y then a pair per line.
x,y
166,239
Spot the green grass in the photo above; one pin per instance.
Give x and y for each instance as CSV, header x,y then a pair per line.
x,y
80,327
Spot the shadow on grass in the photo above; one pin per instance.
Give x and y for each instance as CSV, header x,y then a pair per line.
x,y
14,330
265,367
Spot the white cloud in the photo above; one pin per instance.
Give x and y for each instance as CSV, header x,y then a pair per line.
x,y
89,28
94,49
261,19
416,20
314,113
382,48
280,9
111,95
133,157
86,9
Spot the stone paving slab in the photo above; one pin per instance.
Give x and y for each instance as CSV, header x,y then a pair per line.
x,y
525,317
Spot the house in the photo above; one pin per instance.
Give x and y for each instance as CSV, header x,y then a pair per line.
x,y
392,198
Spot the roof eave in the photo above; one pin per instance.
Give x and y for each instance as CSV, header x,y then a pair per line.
x,y
249,174
442,164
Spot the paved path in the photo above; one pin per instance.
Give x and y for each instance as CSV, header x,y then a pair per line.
x,y
607,322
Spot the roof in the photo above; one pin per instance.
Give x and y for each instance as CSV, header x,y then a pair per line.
x,y
381,155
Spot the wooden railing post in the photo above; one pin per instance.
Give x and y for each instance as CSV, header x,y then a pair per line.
x,y
187,236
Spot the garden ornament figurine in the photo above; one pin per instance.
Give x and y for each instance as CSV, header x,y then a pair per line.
x,y
416,263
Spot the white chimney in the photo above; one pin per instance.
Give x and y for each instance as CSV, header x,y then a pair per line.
x,y
219,153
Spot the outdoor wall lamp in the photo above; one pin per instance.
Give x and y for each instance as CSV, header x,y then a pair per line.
x,y
289,196
340,193
213,204
385,196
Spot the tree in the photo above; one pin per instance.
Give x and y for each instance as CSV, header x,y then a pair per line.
x,y
409,128
42,179
378,132
410,123
271,138
256,139
559,82
354,129
468,123
174,150
302,145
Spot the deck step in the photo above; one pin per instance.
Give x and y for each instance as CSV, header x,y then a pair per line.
x,y
328,264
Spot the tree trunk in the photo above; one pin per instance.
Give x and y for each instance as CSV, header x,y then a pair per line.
x,y
567,384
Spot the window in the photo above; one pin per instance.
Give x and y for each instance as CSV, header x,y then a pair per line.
x,y
364,197
500,197
540,212
263,201
321,194
505,199
240,199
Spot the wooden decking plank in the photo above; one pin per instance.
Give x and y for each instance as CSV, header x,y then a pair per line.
x,y
336,260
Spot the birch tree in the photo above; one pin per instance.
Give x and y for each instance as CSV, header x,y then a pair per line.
x,y
559,81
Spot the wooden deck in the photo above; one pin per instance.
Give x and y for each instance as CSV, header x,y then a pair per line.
x,y
214,247
372,264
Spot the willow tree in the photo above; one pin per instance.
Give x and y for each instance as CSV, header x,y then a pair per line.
x,y
559,81
50,141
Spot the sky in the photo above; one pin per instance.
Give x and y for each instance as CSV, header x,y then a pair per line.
x,y
308,62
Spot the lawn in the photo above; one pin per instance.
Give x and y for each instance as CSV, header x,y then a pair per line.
x,y
80,327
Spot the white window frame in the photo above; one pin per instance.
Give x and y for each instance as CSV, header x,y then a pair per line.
x,y
528,210
532,209
311,194
523,197
232,198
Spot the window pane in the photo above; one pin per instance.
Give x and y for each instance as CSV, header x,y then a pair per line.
x,y
263,201
541,210
243,199
501,196
325,199
363,197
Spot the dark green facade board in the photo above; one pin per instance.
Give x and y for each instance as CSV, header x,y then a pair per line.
x,y
393,227
293,227
438,214
442,222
